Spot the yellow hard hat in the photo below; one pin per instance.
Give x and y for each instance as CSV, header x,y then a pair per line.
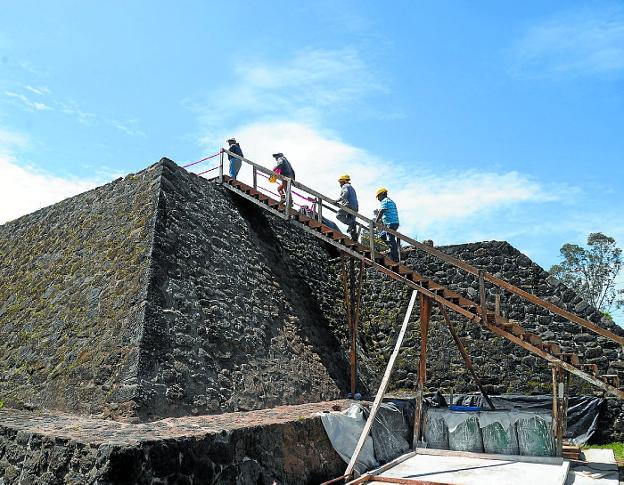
x,y
380,191
344,178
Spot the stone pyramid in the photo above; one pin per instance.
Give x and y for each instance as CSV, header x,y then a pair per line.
x,y
162,294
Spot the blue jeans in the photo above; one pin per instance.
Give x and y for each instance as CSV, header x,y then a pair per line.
x,y
235,166
392,241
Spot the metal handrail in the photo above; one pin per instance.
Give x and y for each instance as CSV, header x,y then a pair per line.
x,y
371,224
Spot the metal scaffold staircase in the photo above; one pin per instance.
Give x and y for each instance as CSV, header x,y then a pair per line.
x,y
446,299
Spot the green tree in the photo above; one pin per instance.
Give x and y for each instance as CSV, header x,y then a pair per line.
x,y
592,270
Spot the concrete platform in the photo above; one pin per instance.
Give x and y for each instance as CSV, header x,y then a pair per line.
x,y
448,467
601,469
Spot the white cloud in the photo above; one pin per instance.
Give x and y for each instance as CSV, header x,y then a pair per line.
x,y
428,202
71,108
306,87
581,41
129,127
36,105
38,90
24,188
9,139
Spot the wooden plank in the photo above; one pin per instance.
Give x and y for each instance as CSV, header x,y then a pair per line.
x,y
254,200
572,359
339,479
611,379
221,167
555,402
532,339
465,356
554,360
288,199
382,388
391,464
407,481
546,460
482,299
403,270
425,315
555,309
553,347
371,240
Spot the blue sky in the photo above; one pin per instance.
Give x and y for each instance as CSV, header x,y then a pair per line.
x,y
486,120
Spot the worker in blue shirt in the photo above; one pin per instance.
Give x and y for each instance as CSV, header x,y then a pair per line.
x,y
348,198
389,217
235,162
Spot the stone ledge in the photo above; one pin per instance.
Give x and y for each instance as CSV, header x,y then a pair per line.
x,y
286,444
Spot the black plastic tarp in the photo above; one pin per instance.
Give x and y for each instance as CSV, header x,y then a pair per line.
x,y
583,411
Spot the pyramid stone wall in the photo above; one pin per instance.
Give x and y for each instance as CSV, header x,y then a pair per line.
x,y
73,283
163,294
244,310
502,366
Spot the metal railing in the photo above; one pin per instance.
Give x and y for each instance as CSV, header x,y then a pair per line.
x,y
322,202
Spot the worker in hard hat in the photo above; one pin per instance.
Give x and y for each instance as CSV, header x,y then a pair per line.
x,y
348,198
285,169
389,216
235,162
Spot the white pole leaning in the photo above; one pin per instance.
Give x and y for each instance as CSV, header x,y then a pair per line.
x,y
382,388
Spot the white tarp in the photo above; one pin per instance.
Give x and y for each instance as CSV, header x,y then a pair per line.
x,y
344,429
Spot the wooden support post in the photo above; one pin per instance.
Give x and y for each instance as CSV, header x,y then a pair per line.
x,y
319,210
288,201
465,356
425,314
221,167
561,380
482,297
556,416
255,178
564,378
352,319
497,304
371,239
356,308
382,388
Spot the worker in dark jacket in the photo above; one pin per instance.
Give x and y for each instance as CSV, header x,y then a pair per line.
x,y
235,163
283,168
348,198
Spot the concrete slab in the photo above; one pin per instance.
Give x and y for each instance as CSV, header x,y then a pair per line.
x,y
601,469
477,471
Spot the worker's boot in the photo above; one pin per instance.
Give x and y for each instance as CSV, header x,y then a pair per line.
x,y
353,233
